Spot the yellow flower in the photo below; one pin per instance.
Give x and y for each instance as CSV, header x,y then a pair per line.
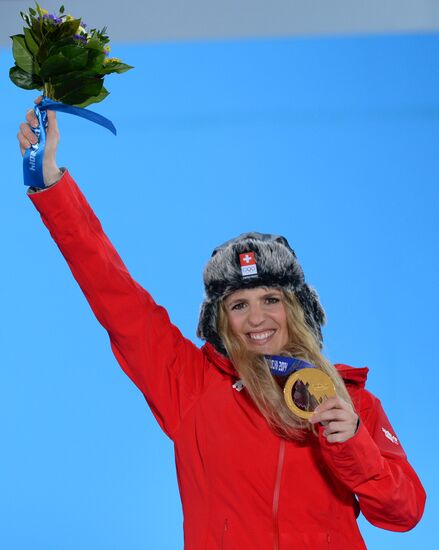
x,y
111,60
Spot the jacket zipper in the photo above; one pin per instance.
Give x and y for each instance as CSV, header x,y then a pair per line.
x,y
225,529
276,494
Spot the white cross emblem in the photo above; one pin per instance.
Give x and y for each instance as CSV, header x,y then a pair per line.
x,y
247,259
390,436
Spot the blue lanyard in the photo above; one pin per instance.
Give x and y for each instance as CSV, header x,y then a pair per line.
x,y
282,366
33,157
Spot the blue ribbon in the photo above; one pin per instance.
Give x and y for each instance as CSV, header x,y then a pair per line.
x,y
33,157
282,366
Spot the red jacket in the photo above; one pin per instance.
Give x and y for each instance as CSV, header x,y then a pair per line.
x,y
241,486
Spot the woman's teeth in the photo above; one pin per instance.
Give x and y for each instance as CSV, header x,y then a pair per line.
x,y
261,335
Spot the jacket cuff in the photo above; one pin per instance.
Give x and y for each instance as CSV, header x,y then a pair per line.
x,y
354,461
32,190
60,206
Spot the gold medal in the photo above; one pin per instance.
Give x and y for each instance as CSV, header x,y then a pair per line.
x,y
305,389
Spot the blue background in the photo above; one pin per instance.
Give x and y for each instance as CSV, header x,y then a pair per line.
x,y
331,142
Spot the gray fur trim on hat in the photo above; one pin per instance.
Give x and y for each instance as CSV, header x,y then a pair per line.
x,y
276,266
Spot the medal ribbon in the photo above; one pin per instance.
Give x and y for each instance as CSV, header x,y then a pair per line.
x,y
282,366
33,157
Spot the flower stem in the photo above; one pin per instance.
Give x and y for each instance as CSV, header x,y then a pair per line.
x,y
48,90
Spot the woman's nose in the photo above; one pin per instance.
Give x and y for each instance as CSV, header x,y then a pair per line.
x,y
255,316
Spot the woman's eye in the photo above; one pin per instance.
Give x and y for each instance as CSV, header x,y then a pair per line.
x,y
238,306
272,300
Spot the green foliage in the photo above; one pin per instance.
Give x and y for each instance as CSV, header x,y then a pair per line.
x,y
82,90
23,57
96,99
31,43
56,54
115,67
25,80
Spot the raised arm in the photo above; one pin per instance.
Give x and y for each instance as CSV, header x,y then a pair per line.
x,y
166,367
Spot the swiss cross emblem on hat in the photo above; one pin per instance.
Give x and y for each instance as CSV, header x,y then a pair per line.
x,y
248,264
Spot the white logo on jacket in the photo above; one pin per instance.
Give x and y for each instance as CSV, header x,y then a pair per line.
x,y
390,436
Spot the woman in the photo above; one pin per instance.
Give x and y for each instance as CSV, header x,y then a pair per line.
x,y
252,475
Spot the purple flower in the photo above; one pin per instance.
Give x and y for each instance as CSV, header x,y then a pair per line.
x,y
80,38
51,17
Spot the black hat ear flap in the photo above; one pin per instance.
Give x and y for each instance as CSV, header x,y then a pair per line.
x,y
208,325
314,313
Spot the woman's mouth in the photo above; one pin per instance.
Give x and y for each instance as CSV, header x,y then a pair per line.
x,y
260,338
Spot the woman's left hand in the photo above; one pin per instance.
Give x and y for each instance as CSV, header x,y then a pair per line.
x,y
338,417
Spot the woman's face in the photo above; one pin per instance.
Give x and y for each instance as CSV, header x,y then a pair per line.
x,y
258,317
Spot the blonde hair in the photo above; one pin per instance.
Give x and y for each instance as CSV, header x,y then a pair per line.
x,y
254,371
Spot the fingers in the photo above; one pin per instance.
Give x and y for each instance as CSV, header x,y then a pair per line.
x,y
338,417
331,409
332,403
26,137
32,118
339,431
327,416
336,427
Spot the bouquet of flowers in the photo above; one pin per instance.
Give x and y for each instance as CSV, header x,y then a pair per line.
x,y
59,56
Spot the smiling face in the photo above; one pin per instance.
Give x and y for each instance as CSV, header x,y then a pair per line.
x,y
258,317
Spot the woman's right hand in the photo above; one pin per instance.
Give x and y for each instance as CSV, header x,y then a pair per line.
x,y
26,138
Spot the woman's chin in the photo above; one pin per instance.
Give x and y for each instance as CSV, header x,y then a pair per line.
x,y
268,348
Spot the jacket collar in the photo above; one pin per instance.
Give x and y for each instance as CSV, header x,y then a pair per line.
x,y
354,376
220,361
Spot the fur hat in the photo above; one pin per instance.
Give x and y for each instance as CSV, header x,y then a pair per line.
x,y
248,261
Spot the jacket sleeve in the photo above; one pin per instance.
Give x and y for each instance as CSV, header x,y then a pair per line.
x,y
373,465
167,368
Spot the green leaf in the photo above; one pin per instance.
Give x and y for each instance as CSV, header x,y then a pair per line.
x,y
22,55
54,65
77,56
24,80
95,44
68,85
95,59
54,48
25,17
115,67
42,53
94,99
32,12
61,9
91,88
40,13
36,28
89,85
31,43
67,59
62,79
64,30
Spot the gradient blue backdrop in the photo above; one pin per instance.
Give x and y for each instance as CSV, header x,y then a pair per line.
x,y
329,141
